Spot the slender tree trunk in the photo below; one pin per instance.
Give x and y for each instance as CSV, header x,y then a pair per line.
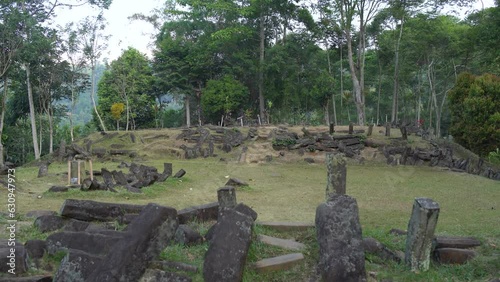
x,y
128,112
92,93
394,116
341,82
379,89
327,113
32,114
71,133
333,93
2,117
188,113
51,130
358,95
262,109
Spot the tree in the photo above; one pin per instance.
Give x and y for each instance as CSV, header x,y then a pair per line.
x,y
475,112
116,113
223,97
128,80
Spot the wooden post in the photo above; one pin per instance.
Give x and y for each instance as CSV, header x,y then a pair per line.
x,y
336,174
69,172
421,228
370,130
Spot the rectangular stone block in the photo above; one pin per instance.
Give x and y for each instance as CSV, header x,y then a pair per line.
x,y
421,228
278,263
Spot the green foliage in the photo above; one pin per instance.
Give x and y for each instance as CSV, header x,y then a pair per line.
x,y
172,118
494,156
223,97
117,110
475,112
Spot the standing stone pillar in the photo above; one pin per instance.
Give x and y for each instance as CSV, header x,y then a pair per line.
x,y
226,197
387,129
332,128
351,128
336,174
370,130
404,133
339,235
421,228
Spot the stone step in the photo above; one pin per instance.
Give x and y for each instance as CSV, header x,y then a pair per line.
x,y
286,226
456,242
454,256
278,263
282,243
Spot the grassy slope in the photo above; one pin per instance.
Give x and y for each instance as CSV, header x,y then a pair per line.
x,y
291,192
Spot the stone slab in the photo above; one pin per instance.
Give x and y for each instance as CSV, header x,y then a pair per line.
x,y
278,263
282,243
286,226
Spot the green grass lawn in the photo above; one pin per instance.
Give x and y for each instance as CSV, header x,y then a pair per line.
x,y
470,206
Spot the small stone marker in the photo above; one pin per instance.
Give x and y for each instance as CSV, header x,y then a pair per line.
x,y
43,170
278,263
387,129
226,197
454,256
282,243
421,228
370,130
180,173
336,174
341,253
351,128
332,128
236,182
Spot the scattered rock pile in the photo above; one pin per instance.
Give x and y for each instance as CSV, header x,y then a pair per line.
x,y
204,140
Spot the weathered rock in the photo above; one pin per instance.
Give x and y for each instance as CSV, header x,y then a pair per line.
x,y
180,173
144,239
244,209
93,243
455,242
235,182
88,210
309,160
173,265
36,248
127,218
372,246
13,257
336,174
75,225
282,243
226,197
37,213
47,223
226,256
119,177
155,275
77,265
278,263
341,255
108,178
185,235
200,213
56,189
99,152
399,232
454,255
43,169
421,228
91,184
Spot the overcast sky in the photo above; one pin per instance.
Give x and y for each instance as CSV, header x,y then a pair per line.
x,y
137,34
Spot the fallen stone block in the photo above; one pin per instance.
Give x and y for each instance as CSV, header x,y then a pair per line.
x,y
226,256
93,243
454,255
47,223
77,265
88,210
278,263
56,189
372,246
200,213
36,248
174,265
455,242
180,173
185,235
144,239
35,214
38,278
282,243
13,257
235,182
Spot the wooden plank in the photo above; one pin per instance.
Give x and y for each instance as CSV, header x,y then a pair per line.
x,y
278,263
282,243
286,226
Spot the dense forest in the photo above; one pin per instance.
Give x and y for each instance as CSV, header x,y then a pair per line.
x,y
252,62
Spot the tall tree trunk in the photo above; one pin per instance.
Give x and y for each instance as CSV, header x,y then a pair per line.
x,y
358,95
128,112
262,109
327,113
333,93
2,117
92,93
341,82
188,112
32,113
379,89
394,116
51,130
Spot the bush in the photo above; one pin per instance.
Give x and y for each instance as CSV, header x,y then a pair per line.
x,y
173,118
475,112
494,157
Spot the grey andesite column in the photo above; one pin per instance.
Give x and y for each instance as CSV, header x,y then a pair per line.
x,y
226,197
336,174
421,228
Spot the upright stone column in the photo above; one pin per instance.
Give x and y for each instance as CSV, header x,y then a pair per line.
x,y
421,228
387,129
341,253
336,174
226,197
351,128
370,130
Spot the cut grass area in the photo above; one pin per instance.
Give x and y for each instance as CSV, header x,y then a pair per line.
x,y
291,192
